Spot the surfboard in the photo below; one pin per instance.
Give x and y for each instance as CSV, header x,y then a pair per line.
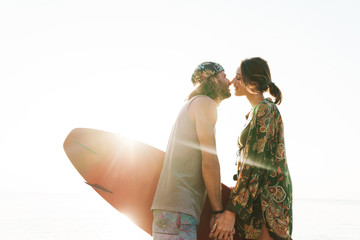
x,y
125,173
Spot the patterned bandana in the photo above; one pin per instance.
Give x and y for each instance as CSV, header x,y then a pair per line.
x,y
205,70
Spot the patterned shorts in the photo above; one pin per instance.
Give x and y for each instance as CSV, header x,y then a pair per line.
x,y
173,226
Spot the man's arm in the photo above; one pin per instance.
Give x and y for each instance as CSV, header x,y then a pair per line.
x,y
204,112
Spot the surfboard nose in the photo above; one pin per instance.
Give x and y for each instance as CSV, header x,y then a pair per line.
x,y
79,148
67,143
78,137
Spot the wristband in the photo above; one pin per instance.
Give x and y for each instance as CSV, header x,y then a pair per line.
x,y
217,212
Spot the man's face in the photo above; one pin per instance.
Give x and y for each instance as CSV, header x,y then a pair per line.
x,y
223,85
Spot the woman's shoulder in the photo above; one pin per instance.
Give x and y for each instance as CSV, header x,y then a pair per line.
x,y
264,108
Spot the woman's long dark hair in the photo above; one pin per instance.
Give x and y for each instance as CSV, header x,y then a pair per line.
x,y
256,72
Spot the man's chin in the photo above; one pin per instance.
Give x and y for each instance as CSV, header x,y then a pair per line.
x,y
225,95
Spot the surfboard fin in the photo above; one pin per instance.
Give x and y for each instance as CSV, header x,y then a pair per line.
x,y
99,187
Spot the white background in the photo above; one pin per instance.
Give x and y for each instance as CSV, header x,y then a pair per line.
x,y
125,67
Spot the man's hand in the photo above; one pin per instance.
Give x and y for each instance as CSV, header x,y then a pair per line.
x,y
223,227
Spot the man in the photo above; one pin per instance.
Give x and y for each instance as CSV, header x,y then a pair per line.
x,y
191,167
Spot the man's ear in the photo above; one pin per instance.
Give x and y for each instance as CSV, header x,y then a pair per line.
x,y
214,79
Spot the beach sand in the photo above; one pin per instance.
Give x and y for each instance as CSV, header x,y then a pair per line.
x,y
57,216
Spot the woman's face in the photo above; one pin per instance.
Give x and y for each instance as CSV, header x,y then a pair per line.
x,y
238,83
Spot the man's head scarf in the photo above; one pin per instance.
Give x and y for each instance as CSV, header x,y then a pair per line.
x,y
204,71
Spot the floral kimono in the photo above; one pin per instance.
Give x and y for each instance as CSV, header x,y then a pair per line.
x,y
263,192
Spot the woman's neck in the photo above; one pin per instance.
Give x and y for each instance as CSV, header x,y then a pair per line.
x,y
255,99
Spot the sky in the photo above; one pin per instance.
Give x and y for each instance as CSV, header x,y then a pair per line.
x,y
125,67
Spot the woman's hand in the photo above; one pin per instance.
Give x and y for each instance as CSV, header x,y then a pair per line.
x,y
223,228
212,221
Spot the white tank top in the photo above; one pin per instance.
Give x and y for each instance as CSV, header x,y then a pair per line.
x,y
181,187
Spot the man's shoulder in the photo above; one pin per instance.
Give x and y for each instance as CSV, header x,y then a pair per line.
x,y
203,101
203,108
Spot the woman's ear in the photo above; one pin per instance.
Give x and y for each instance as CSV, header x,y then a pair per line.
x,y
253,88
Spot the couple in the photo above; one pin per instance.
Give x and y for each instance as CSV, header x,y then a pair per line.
x,y
260,204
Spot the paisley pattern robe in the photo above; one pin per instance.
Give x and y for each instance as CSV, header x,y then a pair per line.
x,y
263,192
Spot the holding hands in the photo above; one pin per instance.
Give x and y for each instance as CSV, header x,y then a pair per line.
x,y
222,226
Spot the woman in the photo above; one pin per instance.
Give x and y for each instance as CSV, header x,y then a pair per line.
x,y
261,201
